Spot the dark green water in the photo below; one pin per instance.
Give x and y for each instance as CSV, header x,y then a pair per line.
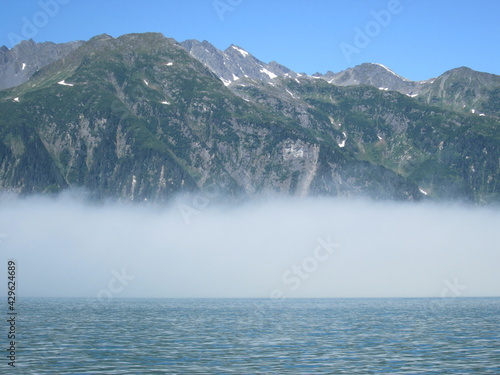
x,y
232,336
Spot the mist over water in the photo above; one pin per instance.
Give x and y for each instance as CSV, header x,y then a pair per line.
x,y
315,247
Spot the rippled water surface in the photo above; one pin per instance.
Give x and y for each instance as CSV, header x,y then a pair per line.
x,y
232,336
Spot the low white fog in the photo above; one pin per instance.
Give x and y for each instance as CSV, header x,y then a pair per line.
x,y
284,247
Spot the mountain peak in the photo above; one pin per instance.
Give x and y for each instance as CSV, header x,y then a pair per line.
x,y
464,70
19,63
101,37
234,62
238,49
385,68
30,42
162,123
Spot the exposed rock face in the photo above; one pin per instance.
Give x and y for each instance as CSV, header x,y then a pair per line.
x,y
140,118
18,64
234,63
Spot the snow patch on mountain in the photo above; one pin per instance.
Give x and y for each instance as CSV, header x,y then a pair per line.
x,y
423,191
242,51
291,94
391,71
342,144
64,83
270,74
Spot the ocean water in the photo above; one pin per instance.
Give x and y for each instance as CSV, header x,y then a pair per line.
x,y
257,336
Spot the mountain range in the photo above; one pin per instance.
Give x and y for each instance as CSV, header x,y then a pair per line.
x,y
143,117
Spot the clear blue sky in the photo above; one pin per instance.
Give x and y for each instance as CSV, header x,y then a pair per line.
x,y
421,38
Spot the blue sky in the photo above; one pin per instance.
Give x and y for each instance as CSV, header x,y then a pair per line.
x,y
418,39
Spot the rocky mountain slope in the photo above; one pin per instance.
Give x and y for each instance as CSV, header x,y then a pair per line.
x,y
464,89
235,63
375,75
18,64
460,89
142,117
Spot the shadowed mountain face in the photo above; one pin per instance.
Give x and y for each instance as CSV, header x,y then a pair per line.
x,y
142,117
464,89
21,62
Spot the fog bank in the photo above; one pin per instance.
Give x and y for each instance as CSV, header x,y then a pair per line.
x,y
315,247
